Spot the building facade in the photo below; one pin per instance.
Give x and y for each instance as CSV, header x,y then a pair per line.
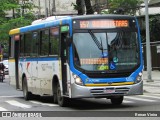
x,y
48,7
59,7
54,7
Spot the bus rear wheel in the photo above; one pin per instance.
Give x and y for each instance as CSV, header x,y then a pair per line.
x,y
27,95
54,91
62,101
117,100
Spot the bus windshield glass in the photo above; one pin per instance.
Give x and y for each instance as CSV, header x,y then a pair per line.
x,y
106,50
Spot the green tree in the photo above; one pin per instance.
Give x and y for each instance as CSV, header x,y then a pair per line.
x,y
19,18
124,6
154,25
80,8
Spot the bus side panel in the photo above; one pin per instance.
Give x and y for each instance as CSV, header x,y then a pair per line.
x,y
20,69
27,65
34,82
25,68
47,68
12,76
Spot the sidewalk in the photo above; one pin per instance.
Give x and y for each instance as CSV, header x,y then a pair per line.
x,y
152,87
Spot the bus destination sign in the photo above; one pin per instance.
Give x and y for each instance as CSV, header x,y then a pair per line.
x,y
84,24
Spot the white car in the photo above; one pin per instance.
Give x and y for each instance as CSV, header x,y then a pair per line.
x,y
5,62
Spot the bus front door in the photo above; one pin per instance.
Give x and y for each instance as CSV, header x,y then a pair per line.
x,y
64,52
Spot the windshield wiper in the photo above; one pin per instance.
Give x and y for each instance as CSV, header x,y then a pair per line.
x,y
99,45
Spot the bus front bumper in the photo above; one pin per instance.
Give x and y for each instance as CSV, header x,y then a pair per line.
x,y
106,91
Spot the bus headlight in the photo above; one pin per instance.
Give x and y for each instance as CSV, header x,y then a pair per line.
x,y
77,79
139,78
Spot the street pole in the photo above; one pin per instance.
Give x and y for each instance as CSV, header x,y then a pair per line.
x,y
148,49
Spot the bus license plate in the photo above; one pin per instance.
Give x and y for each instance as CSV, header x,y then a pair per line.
x,y
109,91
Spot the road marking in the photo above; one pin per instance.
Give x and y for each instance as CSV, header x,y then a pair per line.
x,y
139,99
3,109
48,104
151,96
128,101
18,104
11,96
157,94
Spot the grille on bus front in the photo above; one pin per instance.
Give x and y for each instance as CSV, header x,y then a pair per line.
x,y
107,75
101,91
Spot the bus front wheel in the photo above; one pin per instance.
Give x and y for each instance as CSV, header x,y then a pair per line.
x,y
117,100
62,101
27,95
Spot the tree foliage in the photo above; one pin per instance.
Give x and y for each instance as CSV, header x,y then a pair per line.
x,y
81,4
124,6
154,25
115,6
18,19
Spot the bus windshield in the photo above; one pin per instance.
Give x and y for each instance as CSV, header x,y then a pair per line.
x,y
104,51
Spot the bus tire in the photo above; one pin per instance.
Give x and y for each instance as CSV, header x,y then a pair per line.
x,y
27,95
62,101
117,100
54,90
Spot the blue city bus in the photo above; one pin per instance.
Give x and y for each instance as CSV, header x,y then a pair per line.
x,y
90,56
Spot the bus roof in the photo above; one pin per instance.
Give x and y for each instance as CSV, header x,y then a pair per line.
x,y
48,19
53,21
40,25
103,16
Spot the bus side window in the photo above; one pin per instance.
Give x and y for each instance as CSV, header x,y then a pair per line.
x,y
34,51
54,41
28,44
44,42
22,46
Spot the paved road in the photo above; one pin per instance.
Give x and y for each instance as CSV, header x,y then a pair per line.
x,y
7,90
150,102
12,100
